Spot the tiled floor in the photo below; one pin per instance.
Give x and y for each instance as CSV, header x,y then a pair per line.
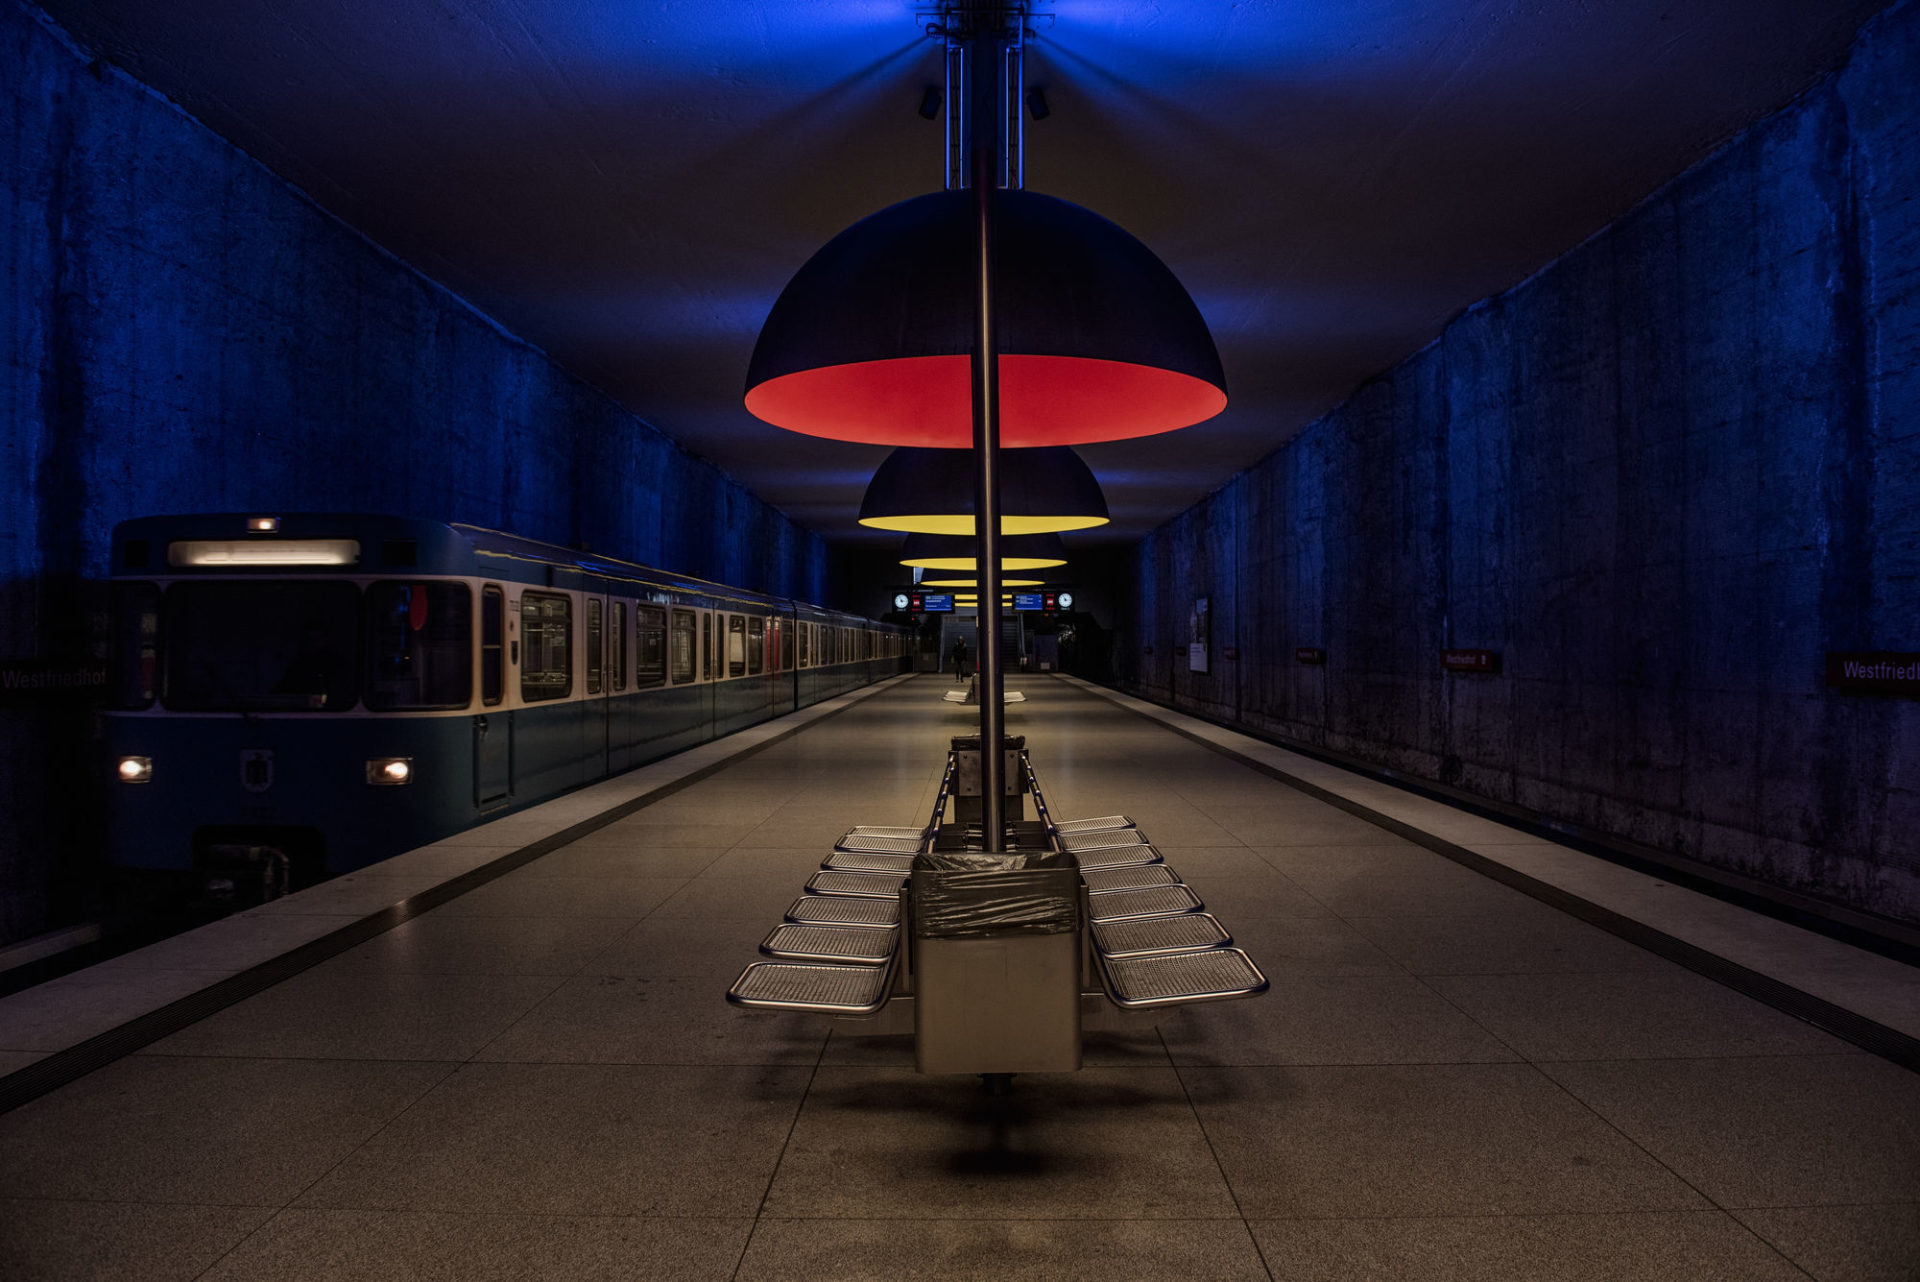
x,y
540,1079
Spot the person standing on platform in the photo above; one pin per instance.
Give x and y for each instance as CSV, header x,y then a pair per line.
x,y
960,657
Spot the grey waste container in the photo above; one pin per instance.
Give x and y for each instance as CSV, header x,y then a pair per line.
x,y
996,963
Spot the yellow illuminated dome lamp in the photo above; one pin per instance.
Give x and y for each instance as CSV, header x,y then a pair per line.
x,y
953,552
974,583
926,491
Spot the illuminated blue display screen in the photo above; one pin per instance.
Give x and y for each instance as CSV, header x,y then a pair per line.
x,y
1029,601
935,602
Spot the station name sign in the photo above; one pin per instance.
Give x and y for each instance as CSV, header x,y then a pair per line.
x,y
1470,660
1874,672
26,682
1311,655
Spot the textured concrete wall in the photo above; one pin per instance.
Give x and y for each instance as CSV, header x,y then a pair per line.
x,y
181,331
1663,477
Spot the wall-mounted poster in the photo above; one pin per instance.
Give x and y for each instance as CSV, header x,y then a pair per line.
x,y
1199,624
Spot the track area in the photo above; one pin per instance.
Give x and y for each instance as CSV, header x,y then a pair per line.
x,y
537,1076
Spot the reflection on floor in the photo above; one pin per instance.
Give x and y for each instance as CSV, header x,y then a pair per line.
x,y
540,1079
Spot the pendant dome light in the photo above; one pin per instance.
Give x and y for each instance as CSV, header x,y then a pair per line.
x,y
974,583
955,552
931,492
1098,340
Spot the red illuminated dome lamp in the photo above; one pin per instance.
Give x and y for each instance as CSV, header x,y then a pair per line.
x,y
1098,340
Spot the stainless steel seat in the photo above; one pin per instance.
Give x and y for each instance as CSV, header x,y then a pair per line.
x,y
866,885
818,989
1128,877
844,910
1145,936
842,861
840,945
1174,979
1153,901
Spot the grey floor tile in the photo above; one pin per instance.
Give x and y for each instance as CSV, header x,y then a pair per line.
x,y
1690,1246
991,1250
1441,1139
1219,863
755,899
1101,1143
1878,1243
1666,1014
1806,1131
1371,881
443,944
397,1246
1267,894
1506,943
1283,947
13,1061
360,893
791,865
62,1012
577,1139
363,1012
656,1019
60,1241
1333,1019
716,950
1294,824
641,839
624,861
234,1132
519,894
1098,1049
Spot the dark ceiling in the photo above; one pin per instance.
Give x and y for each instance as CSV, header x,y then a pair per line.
x,y
630,185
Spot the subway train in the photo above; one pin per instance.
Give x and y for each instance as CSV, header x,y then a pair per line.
x,y
298,696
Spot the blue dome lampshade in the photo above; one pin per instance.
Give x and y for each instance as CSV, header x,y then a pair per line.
x,y
956,552
931,492
1098,340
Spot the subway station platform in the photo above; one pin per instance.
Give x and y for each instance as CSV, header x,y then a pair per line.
x,y
1484,1055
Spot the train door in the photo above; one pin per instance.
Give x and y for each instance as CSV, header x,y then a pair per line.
x,y
493,728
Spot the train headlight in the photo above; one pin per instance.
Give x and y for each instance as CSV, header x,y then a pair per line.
x,y
390,772
134,770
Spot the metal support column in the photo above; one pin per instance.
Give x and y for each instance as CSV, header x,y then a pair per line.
x,y
986,102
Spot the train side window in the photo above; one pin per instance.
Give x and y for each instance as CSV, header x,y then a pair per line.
x,y
419,645
546,627
650,635
804,629
680,647
756,646
736,646
493,632
787,630
617,648
706,647
136,637
593,645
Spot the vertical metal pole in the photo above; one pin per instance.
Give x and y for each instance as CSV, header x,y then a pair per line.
x,y
987,103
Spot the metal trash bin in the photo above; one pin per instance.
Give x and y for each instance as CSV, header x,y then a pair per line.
x,y
996,962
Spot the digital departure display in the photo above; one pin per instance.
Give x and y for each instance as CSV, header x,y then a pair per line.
x,y
1029,601
937,602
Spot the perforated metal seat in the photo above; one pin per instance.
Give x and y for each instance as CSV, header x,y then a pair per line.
x,y
1145,936
843,945
1173,979
1110,839
821,990
1100,823
842,861
1120,857
845,910
1154,901
852,844
866,885
1129,877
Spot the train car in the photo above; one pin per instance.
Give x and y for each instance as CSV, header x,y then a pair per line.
x,y
300,696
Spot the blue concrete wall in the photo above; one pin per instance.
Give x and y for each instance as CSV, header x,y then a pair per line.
x,y
1663,477
181,331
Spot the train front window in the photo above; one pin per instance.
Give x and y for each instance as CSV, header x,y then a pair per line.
x,y
261,646
419,646
546,647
